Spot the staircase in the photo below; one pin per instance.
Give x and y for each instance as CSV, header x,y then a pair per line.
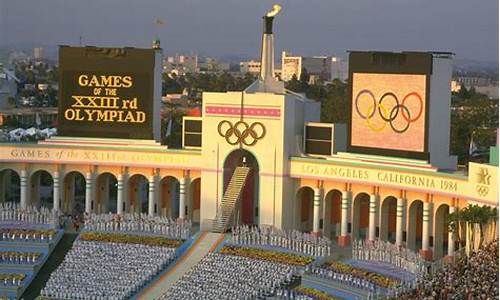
x,y
231,197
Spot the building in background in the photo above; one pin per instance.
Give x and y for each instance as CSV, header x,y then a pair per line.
x,y
213,65
469,81
482,85
338,69
38,53
324,68
250,66
455,86
290,65
181,64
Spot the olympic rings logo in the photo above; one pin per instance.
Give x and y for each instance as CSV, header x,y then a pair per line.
x,y
241,132
389,115
482,190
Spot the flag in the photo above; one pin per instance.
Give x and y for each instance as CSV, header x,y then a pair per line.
x,y
472,147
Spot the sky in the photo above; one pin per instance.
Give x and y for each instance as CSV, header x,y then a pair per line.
x,y
233,27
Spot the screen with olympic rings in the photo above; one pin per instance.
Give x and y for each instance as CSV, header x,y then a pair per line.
x,y
389,111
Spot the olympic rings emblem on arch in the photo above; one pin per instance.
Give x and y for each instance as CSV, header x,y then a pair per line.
x,y
389,115
241,132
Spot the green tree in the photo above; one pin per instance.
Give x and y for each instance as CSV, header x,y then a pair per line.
x,y
463,93
461,224
11,101
475,118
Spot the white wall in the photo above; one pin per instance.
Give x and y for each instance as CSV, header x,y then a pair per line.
x,y
157,95
439,114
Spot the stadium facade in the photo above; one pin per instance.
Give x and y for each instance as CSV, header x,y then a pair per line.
x,y
260,156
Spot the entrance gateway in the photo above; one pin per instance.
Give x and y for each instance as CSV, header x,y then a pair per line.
x,y
247,210
260,156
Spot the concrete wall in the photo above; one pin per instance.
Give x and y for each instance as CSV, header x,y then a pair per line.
x,y
157,95
439,114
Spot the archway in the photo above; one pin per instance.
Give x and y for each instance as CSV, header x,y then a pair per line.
x,y
441,231
194,203
169,197
42,189
360,218
304,209
332,214
247,212
415,222
138,194
388,219
10,186
74,193
106,193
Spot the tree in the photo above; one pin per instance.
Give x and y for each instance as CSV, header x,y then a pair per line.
x,y
11,101
463,93
476,117
304,77
463,224
295,85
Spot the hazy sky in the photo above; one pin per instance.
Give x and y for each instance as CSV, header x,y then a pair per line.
x,y
225,27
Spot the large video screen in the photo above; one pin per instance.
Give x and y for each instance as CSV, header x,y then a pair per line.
x,y
388,111
106,92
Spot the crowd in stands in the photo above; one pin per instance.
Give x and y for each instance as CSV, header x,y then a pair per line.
x,y
129,223
387,252
11,212
304,243
474,277
219,276
97,270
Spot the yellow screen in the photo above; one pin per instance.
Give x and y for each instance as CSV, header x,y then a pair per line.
x,y
388,111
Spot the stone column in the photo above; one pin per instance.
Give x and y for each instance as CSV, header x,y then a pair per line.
x,y
34,189
182,197
152,195
316,211
57,191
69,193
451,237
372,218
5,177
120,199
89,188
400,211
345,238
426,251
23,178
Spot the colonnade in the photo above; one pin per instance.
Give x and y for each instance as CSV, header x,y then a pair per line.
x,y
130,194
412,222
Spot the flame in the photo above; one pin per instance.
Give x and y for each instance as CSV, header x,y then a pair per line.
x,y
276,9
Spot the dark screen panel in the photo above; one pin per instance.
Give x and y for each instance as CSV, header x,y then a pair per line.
x,y
192,126
319,147
106,92
192,140
318,133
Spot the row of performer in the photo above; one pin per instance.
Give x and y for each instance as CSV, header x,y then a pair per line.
x,y
11,212
139,223
387,252
304,243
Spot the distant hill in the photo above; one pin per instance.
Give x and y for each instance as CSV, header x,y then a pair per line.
x,y
487,68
